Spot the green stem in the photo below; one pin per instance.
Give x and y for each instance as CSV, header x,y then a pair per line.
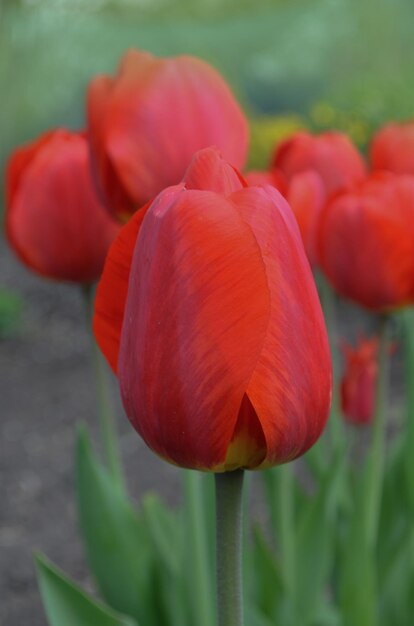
x,y
229,489
287,525
103,398
375,459
328,305
198,546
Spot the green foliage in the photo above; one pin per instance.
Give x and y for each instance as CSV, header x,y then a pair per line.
x,y
10,312
66,604
145,562
117,541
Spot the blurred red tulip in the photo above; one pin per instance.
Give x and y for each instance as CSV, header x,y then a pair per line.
x,y
208,310
258,178
331,155
54,220
358,383
366,242
392,148
147,122
306,196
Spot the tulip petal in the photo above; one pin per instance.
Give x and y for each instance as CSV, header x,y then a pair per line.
x,y
331,154
195,320
105,174
289,388
306,197
392,148
112,289
209,171
18,162
274,177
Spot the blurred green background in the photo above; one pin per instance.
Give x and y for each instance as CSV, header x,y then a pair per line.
x,y
343,63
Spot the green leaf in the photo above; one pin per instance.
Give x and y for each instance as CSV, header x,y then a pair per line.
x,y
199,565
66,604
255,618
164,530
357,570
327,616
266,586
166,539
10,312
271,482
117,542
315,542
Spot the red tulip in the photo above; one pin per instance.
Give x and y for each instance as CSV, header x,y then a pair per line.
x,y
366,242
54,221
208,310
392,148
147,122
359,381
258,178
331,155
306,196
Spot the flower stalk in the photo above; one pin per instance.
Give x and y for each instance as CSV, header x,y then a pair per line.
x,y
376,457
103,399
229,489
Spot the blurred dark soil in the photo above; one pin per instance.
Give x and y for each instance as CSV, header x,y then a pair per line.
x,y
46,387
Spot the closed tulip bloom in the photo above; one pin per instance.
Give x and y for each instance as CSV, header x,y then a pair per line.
x,y
366,242
148,120
209,314
392,148
331,155
54,220
358,383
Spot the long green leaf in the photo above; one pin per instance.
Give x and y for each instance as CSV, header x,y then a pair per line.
x,y
166,538
315,542
266,590
117,542
66,604
356,572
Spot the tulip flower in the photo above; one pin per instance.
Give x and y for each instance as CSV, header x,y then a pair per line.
x,y
331,155
208,312
366,242
147,122
54,220
392,148
358,383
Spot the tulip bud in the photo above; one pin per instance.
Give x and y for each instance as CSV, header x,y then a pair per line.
x,y
208,312
54,220
358,383
147,121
